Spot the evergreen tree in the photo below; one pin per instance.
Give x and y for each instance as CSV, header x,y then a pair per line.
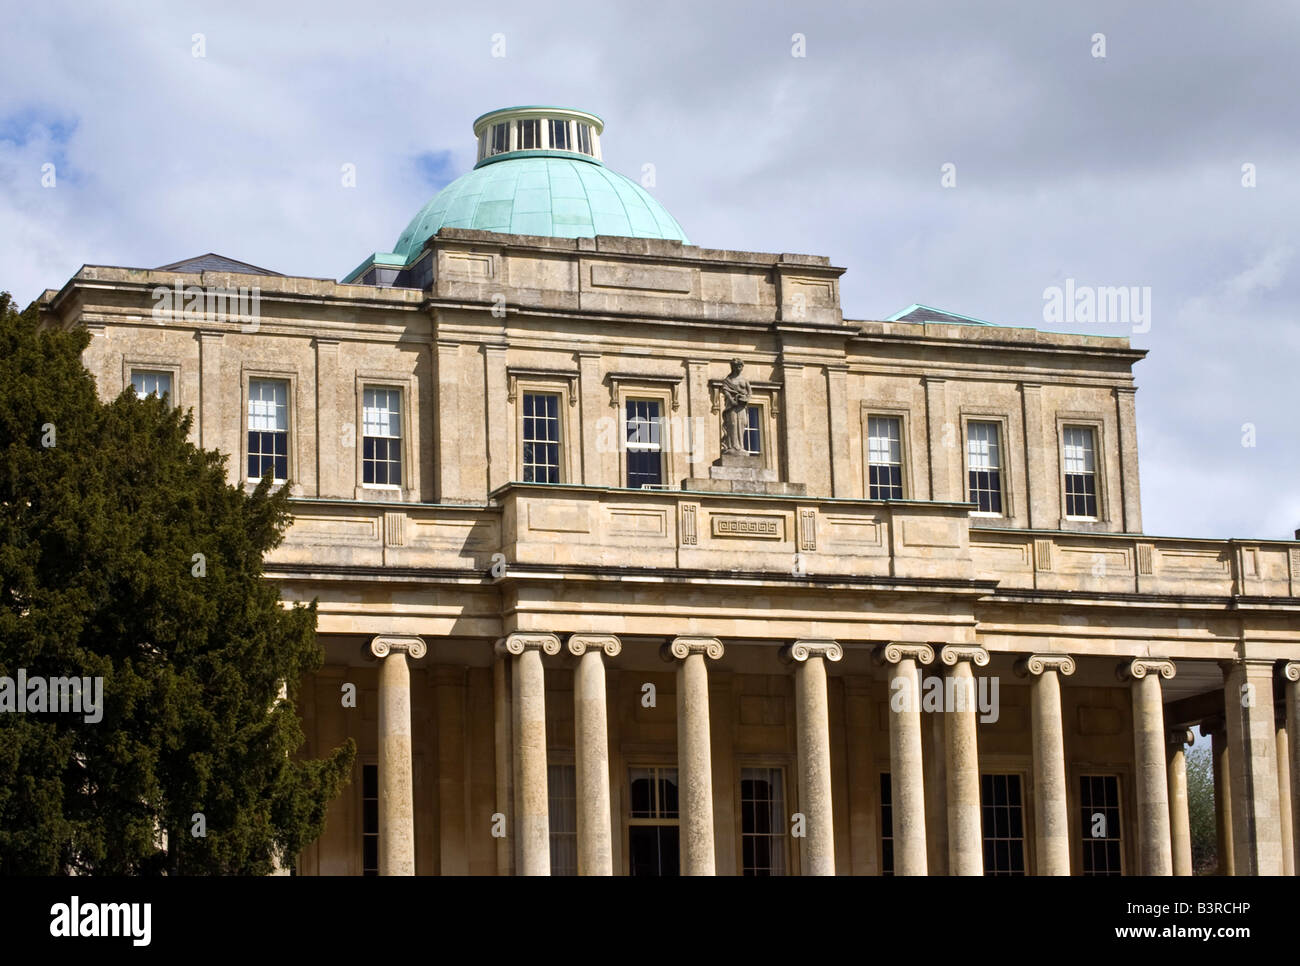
x,y
124,554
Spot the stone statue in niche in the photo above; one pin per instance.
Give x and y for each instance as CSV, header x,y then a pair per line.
x,y
735,414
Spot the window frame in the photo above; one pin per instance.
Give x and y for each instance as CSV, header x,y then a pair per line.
x,y
1098,770
521,382
538,143
656,764
789,804
635,393
1095,423
565,762
1027,832
289,376
403,462
409,389
1004,478
905,450
132,363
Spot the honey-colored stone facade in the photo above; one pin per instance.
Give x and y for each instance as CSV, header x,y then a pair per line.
x,y
527,596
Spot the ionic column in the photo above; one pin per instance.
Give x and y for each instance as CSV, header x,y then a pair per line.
x,y
532,805
1216,728
1051,807
1155,848
396,790
1180,829
1248,706
907,776
591,728
1291,675
694,759
812,721
965,838
1284,792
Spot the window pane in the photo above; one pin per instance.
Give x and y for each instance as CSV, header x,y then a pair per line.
x,y
559,132
530,135
753,441
984,466
150,383
561,785
644,445
584,138
1002,814
268,428
762,821
500,138
1080,472
1099,820
381,426
541,438
884,458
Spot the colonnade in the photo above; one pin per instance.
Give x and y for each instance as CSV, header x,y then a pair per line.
x,y
1255,764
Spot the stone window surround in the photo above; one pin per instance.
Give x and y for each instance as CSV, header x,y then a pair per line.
x,y
558,382
979,414
409,490
790,804
167,364
1097,423
624,388
904,416
1122,772
290,375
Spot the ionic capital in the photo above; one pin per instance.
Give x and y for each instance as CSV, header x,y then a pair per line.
x,y
895,653
1037,664
1180,737
952,653
800,651
680,648
520,641
412,647
580,643
1290,671
1140,667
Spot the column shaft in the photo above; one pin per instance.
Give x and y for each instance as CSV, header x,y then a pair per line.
x,y
1222,800
530,753
1155,852
907,774
1051,811
695,767
1180,831
396,791
595,838
965,838
813,723
1291,674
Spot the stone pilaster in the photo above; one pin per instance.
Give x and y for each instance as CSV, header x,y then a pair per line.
x,y
1155,848
1051,811
532,804
396,790
965,837
1248,706
1285,817
1291,677
907,774
694,757
591,727
1180,830
812,721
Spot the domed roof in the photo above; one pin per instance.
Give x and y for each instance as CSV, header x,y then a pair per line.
x,y
561,197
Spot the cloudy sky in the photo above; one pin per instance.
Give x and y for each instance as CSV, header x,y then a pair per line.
x,y
1119,170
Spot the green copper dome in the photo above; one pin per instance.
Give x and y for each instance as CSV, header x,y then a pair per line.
x,y
556,196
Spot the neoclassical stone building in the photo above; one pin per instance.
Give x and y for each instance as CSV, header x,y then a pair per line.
x,y
642,559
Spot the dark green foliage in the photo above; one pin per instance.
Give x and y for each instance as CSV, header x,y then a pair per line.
x,y
98,537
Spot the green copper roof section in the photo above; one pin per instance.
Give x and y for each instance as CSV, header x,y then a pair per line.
x,y
553,196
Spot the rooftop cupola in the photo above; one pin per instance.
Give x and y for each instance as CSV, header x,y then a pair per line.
x,y
537,132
